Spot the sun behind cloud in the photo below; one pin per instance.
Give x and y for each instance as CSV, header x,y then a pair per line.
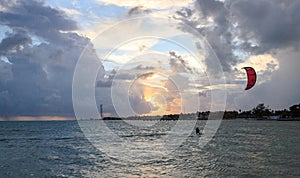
x,y
154,91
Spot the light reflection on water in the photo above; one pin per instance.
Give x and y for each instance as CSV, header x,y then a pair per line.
x,y
240,148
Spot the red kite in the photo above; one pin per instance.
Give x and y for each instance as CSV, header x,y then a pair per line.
x,y
251,75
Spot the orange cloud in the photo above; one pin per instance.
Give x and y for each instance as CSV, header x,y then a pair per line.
x,y
165,101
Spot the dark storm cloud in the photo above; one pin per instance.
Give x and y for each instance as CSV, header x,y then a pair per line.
x,y
36,17
27,89
5,76
41,76
216,10
272,24
219,36
5,71
275,24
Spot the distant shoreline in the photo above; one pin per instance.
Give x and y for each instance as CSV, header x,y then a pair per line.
x,y
158,118
238,119
143,119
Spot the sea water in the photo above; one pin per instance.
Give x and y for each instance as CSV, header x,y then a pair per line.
x,y
239,149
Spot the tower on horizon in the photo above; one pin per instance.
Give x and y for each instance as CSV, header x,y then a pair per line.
x,y
101,111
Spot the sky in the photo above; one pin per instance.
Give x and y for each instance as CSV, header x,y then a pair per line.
x,y
153,57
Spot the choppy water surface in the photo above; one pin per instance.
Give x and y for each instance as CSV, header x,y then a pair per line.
x,y
240,148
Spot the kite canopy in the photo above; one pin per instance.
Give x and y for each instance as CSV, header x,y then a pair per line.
x,y
251,74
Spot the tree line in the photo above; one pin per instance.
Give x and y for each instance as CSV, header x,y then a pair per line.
x,y
261,112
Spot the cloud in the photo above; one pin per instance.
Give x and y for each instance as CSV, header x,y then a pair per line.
x,y
144,68
140,95
146,75
238,29
39,19
5,72
210,19
71,12
178,64
275,25
39,76
139,105
14,42
138,10
104,83
217,30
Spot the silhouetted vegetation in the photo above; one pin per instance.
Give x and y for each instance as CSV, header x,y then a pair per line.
x,y
295,110
260,112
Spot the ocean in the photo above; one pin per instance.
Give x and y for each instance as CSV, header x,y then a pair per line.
x,y
240,148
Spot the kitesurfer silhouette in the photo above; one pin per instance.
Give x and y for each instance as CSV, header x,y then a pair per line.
x,y
198,131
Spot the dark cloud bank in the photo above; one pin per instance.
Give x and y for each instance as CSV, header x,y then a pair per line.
x,y
38,79
272,24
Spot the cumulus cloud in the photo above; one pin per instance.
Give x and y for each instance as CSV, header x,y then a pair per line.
x,y
41,74
39,19
276,25
238,29
216,30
